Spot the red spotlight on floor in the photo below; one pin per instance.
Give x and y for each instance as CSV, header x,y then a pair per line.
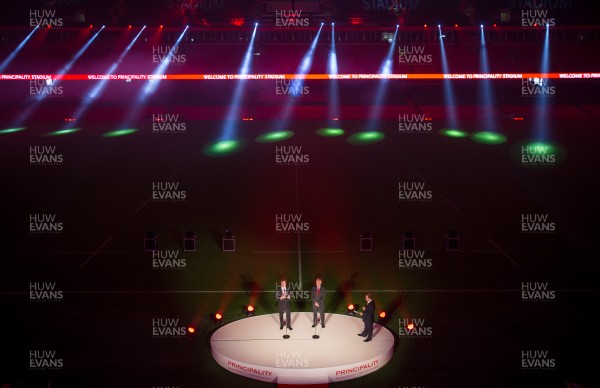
x,y
91,26
161,26
410,326
129,26
382,314
425,25
494,24
191,330
456,25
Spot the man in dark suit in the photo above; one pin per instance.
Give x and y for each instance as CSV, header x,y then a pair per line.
x,y
283,304
368,317
318,302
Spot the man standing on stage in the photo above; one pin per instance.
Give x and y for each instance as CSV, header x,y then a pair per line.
x,y
283,304
368,317
318,302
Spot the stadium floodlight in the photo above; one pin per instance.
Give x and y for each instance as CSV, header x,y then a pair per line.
x,y
448,89
230,124
97,90
16,51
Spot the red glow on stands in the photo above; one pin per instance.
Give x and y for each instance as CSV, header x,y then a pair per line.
x,y
428,119
91,26
69,119
425,25
456,26
518,118
238,22
410,326
382,314
191,330
356,21
161,26
494,24
335,119
248,119
129,26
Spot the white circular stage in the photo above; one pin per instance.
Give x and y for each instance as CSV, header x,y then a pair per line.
x,y
254,347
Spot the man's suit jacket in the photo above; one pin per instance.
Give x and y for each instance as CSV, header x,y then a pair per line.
x,y
320,299
285,303
369,313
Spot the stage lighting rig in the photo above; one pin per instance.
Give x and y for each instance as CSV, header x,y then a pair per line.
x,y
389,36
216,318
351,309
249,311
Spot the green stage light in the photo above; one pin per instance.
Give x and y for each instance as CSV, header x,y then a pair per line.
x,y
539,154
119,132
223,147
488,137
61,132
330,132
366,138
12,130
274,137
541,148
456,133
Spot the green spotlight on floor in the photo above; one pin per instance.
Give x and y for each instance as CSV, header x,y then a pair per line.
x,y
488,137
61,132
539,154
274,137
366,138
540,148
456,133
223,147
120,132
330,132
12,130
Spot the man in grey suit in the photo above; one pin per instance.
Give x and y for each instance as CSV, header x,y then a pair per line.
x,y
318,302
283,304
